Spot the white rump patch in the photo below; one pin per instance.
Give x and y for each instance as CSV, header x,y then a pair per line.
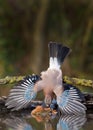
x,y
53,63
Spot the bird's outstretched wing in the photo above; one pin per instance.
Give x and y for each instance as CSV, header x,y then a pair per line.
x,y
70,101
21,95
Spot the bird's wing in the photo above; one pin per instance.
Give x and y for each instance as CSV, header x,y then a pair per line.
x,y
20,96
70,102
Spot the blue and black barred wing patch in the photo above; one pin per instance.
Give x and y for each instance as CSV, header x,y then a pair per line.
x,y
70,102
21,95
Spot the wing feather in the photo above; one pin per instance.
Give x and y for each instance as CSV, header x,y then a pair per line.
x,y
21,95
70,102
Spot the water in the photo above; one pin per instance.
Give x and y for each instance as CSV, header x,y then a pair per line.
x,y
25,121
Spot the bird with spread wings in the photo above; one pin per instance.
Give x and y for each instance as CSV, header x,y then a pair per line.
x,y
69,98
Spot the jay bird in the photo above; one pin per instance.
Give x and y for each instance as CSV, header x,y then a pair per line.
x,y
69,98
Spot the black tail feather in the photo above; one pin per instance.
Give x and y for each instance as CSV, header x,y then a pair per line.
x,y
62,53
59,51
53,49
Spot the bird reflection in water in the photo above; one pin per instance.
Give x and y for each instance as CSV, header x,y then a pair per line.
x,y
71,122
16,123
66,122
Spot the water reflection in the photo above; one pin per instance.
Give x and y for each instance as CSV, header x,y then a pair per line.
x,y
63,123
16,123
71,122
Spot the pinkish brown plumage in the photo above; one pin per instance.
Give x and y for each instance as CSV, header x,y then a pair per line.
x,y
69,99
52,78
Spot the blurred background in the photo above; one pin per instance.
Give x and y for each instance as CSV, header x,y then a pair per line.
x,y
26,27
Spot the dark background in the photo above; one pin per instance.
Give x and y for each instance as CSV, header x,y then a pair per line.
x,y
27,26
